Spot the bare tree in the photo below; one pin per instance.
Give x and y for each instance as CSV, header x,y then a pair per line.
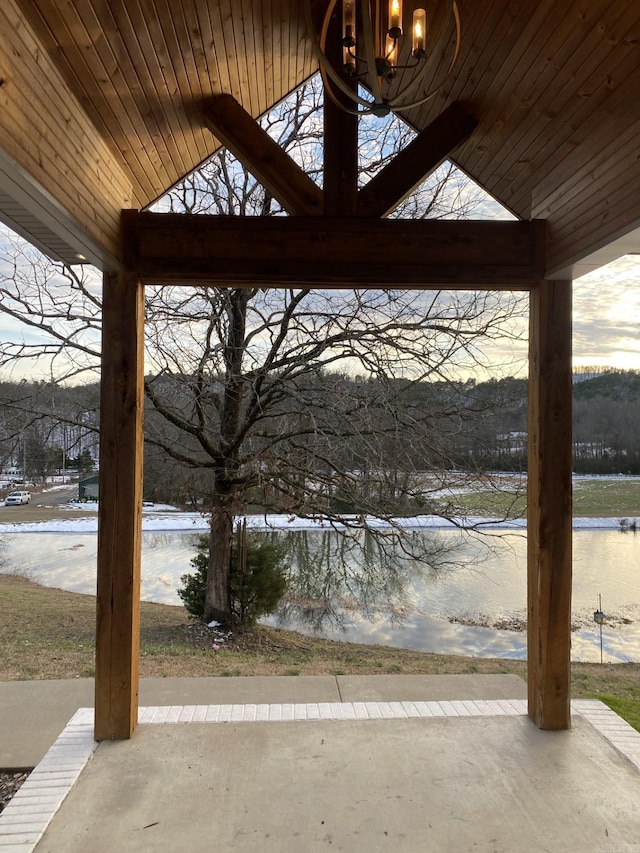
x,y
256,387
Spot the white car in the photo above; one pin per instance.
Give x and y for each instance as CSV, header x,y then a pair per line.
x,y
17,499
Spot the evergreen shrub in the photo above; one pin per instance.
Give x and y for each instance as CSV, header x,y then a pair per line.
x,y
254,592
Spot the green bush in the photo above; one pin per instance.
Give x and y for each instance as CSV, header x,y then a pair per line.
x,y
254,592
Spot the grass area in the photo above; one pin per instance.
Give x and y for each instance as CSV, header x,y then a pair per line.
x,y
612,498
619,498
629,709
491,503
49,633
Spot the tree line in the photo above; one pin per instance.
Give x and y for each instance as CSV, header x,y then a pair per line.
x,y
332,439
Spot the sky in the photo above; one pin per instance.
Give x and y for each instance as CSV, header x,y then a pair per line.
x,y
606,316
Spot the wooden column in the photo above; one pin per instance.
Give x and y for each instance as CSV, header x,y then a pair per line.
x,y
120,509
340,180
549,505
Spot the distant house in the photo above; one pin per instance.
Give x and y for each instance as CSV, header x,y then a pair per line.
x,y
88,488
512,442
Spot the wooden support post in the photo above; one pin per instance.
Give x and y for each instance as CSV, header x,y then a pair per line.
x,y
120,509
340,182
549,505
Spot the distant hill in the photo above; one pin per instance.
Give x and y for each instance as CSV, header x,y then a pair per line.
x,y
623,386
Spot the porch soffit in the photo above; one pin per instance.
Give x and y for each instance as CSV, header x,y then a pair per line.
x,y
553,87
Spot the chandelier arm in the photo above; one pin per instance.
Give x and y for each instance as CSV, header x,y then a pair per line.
x,y
326,69
410,88
326,82
370,50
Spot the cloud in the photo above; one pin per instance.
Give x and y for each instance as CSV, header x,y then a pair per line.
x,y
606,318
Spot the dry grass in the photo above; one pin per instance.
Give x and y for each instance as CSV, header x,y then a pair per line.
x,y
49,633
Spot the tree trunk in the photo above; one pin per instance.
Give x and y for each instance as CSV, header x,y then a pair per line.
x,y
217,603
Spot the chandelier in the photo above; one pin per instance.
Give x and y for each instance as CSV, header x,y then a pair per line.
x,y
381,52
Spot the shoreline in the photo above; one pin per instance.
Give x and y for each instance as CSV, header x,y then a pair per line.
x,y
42,519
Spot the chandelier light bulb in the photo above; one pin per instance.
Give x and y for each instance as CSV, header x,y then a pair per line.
x,y
419,33
395,19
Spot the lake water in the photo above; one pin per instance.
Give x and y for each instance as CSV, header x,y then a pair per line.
x,y
459,607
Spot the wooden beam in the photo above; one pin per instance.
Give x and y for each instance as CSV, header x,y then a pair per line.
x,y
120,508
262,156
549,506
386,190
340,165
340,161
326,252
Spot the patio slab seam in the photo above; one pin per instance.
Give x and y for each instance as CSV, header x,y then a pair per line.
x,y
26,817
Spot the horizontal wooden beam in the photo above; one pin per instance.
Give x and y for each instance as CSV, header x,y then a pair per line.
x,y
262,156
333,252
386,190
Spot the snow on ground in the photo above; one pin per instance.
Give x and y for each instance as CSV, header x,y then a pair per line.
x,y
158,518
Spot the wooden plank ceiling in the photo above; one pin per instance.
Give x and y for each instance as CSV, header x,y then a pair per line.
x,y
554,87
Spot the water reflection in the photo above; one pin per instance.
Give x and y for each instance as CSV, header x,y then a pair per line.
x,y
338,578
387,591
453,601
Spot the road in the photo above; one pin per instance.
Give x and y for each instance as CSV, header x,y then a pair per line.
x,y
44,506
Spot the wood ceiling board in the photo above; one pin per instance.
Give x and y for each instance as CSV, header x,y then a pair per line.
x,y
613,248
572,179
570,114
121,117
34,91
166,140
148,55
523,67
288,57
176,33
582,123
501,107
45,131
213,74
536,97
482,26
254,50
91,81
164,62
539,121
234,59
130,74
604,182
590,227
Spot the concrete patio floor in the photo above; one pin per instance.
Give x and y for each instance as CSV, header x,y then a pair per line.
x,y
392,763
